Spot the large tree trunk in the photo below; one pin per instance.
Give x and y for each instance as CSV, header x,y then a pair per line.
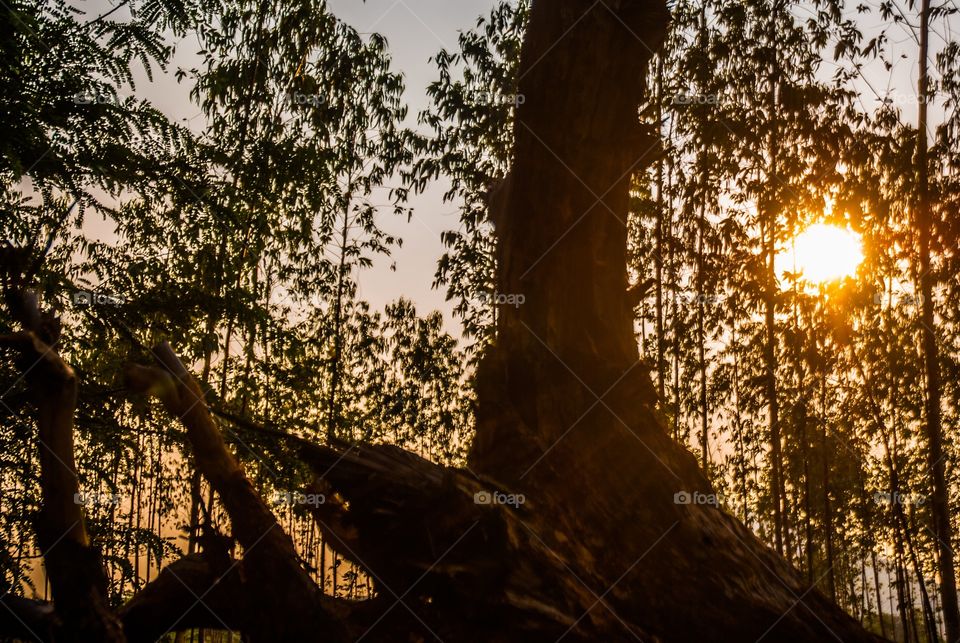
x,y
564,406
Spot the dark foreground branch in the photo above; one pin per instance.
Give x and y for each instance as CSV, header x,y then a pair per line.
x,y
271,567
26,619
77,577
188,593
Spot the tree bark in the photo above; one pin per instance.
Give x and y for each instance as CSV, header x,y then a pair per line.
x,y
564,415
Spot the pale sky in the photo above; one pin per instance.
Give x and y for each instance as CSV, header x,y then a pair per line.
x,y
417,30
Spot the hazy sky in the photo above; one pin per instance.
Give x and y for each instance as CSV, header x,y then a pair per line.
x,y
417,30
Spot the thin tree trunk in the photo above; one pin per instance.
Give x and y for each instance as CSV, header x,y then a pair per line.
x,y
738,419
333,402
928,619
701,350
658,239
876,584
769,214
704,179
827,507
801,417
934,431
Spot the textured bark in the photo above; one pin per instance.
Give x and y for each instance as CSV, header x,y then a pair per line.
x,y
214,592
188,593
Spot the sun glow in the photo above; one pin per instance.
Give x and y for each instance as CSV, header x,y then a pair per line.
x,y
824,253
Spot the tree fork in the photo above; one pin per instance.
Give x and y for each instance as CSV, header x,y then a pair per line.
x,y
270,560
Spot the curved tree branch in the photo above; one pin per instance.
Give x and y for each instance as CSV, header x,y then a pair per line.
x,y
77,577
271,566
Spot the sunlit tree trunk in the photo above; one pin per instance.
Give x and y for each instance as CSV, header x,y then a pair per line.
x,y
827,506
800,418
876,585
768,230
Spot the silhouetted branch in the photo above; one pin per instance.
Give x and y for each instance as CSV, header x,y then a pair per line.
x,y
77,578
270,562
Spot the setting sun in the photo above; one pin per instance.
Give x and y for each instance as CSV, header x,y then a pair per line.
x,y
824,253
